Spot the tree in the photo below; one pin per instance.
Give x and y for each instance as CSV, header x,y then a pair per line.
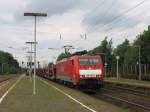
x,y
143,40
129,53
105,49
63,55
121,51
7,63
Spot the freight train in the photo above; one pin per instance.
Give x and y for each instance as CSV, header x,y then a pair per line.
x,y
82,71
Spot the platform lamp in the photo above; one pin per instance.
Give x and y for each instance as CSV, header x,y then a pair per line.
x,y
35,15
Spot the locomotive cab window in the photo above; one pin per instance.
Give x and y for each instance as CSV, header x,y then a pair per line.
x,y
89,61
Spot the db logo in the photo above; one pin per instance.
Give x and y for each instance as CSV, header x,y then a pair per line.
x,y
89,68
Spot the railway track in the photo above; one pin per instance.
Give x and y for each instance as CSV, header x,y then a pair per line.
x,y
4,79
142,92
133,102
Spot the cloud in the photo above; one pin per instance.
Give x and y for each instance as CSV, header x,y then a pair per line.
x,y
55,7
52,7
104,18
6,18
70,18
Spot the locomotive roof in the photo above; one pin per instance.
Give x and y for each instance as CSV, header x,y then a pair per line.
x,y
70,58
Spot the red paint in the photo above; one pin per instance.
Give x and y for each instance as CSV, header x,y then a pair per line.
x,y
70,68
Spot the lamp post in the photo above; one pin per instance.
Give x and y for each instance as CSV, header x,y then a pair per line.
x,y
3,67
35,15
117,57
140,76
139,48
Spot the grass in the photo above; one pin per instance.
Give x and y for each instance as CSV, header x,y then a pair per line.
x,y
90,100
47,99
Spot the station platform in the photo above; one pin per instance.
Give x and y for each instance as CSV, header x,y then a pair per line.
x,y
21,99
50,97
128,82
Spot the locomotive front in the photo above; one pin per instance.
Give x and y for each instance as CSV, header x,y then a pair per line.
x,y
91,72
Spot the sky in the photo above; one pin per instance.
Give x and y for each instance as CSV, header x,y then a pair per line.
x,y
67,23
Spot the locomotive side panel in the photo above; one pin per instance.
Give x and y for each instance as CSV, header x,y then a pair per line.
x,y
65,70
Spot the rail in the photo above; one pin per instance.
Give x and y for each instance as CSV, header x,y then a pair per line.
x,y
124,100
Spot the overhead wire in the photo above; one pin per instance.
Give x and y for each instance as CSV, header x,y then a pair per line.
x,y
94,10
130,9
105,12
130,32
29,32
139,17
122,14
125,20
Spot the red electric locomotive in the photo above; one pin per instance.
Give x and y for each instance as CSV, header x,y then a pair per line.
x,y
86,72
